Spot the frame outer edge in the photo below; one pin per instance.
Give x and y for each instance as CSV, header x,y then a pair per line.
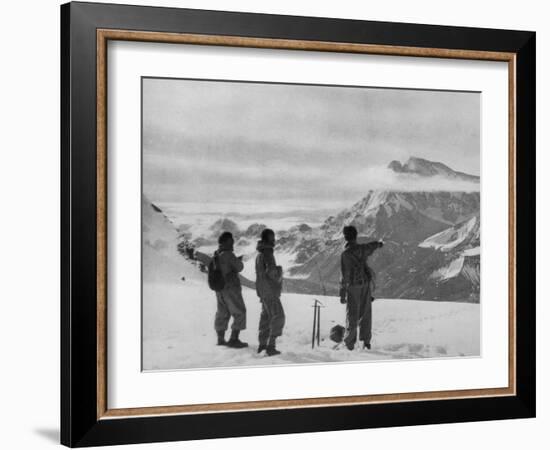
x,y
79,262
78,427
526,224
65,335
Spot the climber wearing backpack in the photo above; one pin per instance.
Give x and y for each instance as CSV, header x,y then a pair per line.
x,y
356,288
223,277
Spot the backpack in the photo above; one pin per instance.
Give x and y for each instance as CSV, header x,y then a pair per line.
x,y
216,281
360,273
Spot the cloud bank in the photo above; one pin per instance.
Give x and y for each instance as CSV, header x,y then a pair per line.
x,y
383,178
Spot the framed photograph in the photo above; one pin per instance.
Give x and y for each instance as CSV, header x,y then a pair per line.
x,y
277,224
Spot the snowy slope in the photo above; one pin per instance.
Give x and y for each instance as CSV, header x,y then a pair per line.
x,y
179,334
460,244
454,236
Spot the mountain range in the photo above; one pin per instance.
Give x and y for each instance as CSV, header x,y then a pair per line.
x,y
431,241
431,246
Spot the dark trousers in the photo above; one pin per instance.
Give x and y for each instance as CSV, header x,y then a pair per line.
x,y
272,319
230,304
358,314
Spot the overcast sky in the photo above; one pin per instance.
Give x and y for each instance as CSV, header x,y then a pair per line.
x,y
217,141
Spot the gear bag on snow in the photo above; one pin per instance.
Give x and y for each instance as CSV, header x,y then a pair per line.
x,y
337,333
216,281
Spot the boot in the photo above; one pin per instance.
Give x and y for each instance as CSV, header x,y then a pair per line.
x,y
221,338
366,345
262,347
270,349
234,341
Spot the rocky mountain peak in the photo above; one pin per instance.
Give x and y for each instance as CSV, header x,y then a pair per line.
x,y
224,224
425,168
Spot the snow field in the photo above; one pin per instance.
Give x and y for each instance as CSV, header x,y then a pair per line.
x,y
178,330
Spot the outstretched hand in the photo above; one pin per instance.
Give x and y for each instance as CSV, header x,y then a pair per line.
x,y
343,293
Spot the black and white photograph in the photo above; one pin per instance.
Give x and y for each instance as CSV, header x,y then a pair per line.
x,y
299,224
271,225
279,222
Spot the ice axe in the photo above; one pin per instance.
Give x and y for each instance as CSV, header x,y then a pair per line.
x,y
316,334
